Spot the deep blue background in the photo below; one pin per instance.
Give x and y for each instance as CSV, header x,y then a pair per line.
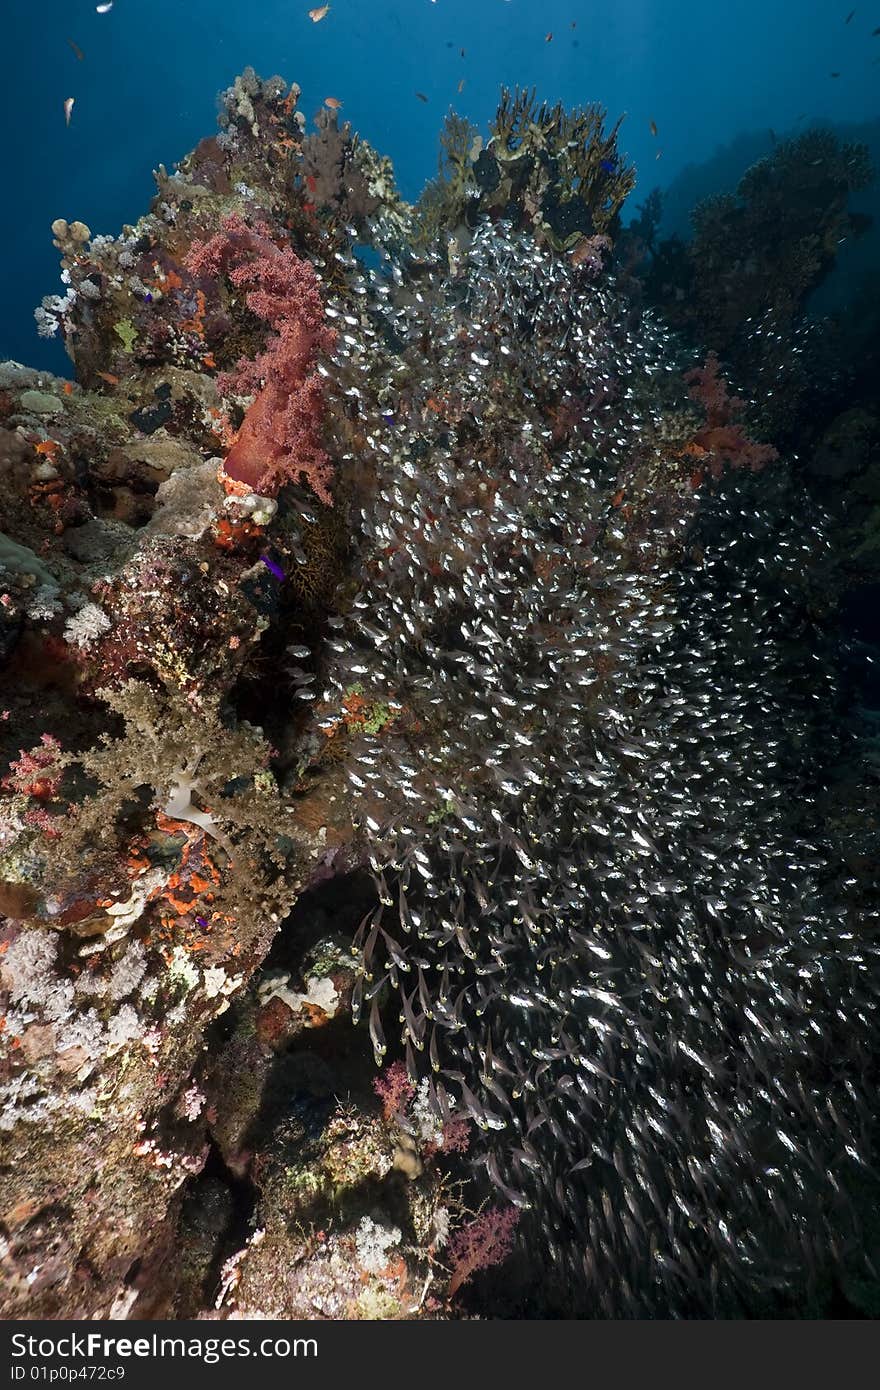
x,y
708,73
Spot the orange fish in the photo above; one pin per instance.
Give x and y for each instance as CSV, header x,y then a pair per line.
x,y
68,109
320,13
77,50
332,103
47,447
109,378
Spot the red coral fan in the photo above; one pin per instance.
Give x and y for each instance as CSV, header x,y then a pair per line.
x,y
394,1089
280,436
484,1242
722,437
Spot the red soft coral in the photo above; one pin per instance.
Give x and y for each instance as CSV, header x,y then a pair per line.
x,y
394,1089
722,437
486,1241
280,436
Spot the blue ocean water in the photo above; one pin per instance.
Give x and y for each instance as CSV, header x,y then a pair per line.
x,y
720,82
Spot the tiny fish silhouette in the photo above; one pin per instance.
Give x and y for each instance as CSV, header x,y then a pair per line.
x,y
77,50
421,96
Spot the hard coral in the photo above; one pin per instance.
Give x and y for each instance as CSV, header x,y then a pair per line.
x,y
279,439
557,173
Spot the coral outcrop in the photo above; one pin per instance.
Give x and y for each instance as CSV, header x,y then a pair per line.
x,y
420,840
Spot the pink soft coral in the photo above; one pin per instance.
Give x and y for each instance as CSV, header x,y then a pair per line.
x,y
280,436
722,437
394,1089
484,1242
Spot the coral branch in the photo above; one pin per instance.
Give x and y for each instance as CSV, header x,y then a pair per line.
x,y
484,1242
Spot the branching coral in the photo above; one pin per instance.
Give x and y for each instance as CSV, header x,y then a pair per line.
x,y
556,172
279,438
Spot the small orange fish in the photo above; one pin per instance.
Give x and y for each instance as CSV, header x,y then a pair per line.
x,y
320,13
109,378
77,50
68,388
653,128
68,109
47,447
332,103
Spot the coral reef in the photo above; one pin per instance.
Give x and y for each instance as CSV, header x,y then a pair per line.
x,y
740,285
426,668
